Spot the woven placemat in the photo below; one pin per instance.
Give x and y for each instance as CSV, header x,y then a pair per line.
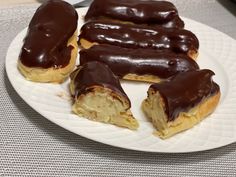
x,y
30,145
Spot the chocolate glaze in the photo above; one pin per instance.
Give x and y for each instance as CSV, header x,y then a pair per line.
x,y
185,91
139,36
123,61
94,74
174,23
137,11
45,44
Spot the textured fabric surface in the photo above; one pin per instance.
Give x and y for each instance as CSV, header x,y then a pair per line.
x,y
30,145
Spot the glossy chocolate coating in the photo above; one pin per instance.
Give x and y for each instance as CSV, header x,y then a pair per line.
x,y
94,74
174,23
123,61
139,36
45,44
185,91
137,11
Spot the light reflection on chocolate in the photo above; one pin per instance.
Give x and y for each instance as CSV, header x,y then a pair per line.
x,y
86,77
161,13
139,36
45,44
123,61
185,91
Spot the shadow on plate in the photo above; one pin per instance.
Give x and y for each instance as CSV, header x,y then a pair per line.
x,y
41,1
230,5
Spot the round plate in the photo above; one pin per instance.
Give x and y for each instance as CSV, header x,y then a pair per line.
x,y
217,52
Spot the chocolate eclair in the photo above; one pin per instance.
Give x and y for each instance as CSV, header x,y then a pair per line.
x,y
139,64
50,47
181,102
99,96
139,36
149,12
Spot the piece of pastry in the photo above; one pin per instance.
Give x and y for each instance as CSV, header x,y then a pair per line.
x,y
138,36
139,64
149,12
99,96
182,102
50,47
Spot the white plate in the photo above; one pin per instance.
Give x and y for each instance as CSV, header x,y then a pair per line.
x,y
217,52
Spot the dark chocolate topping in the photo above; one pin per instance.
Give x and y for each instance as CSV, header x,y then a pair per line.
x,y
45,44
139,36
185,91
137,11
174,23
96,74
123,61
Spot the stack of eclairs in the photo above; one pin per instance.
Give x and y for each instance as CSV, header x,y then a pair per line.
x,y
135,40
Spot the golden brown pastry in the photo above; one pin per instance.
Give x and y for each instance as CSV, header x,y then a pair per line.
x,y
182,102
154,13
139,36
139,64
50,47
99,96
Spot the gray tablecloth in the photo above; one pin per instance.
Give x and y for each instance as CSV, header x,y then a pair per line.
x,y
30,145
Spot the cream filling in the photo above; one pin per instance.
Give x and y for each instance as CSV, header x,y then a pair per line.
x,y
154,108
104,106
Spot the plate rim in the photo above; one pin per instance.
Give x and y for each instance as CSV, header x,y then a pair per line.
x,y
91,138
